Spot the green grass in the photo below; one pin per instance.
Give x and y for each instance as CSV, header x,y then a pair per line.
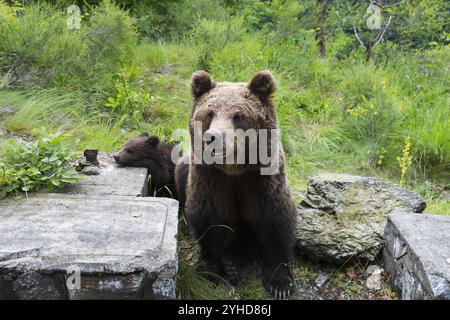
x,y
193,285
315,135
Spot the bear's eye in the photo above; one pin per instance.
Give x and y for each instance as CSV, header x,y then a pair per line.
x,y
210,115
130,151
238,117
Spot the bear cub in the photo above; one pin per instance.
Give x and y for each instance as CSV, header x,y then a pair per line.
x,y
230,206
147,151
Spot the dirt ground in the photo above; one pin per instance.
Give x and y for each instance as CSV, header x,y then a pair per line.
x,y
314,280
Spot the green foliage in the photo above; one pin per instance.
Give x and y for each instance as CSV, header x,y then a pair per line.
x,y
211,37
111,38
420,23
31,166
369,111
7,14
192,284
41,109
253,291
126,103
337,113
415,23
174,19
37,48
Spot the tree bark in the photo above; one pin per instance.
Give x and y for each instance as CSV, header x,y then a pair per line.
x,y
373,37
322,13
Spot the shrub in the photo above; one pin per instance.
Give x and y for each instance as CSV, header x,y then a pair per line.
x,y
370,111
32,166
238,61
211,36
111,39
39,50
174,19
126,103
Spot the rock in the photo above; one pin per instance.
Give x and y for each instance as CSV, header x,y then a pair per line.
x,y
373,281
306,292
120,246
339,193
6,112
109,179
167,68
321,279
343,217
446,193
417,255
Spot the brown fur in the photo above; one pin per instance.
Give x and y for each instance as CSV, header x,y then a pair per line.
x,y
147,151
181,178
256,209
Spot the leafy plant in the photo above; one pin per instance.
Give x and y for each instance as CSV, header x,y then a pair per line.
x,y
31,166
126,102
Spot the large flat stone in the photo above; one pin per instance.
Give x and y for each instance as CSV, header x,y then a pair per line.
x,y
123,246
417,255
110,179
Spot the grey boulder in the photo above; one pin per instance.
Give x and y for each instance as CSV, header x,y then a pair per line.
x,y
343,216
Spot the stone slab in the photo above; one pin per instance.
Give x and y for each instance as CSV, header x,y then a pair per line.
x,y
417,255
122,247
110,179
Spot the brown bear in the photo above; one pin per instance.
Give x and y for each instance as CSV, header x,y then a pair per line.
x,y
181,177
147,151
232,205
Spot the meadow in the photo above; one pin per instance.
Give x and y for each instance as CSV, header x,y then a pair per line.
x,y
127,70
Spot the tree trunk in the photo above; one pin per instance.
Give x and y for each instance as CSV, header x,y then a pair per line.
x,y
373,38
321,9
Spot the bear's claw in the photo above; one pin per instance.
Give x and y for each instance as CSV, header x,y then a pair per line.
x,y
231,272
281,294
280,284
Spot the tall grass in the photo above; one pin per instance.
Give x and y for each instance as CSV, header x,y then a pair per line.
x,y
337,113
37,48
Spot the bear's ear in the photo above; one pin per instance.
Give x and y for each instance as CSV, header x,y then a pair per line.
x,y
262,84
201,83
143,134
152,141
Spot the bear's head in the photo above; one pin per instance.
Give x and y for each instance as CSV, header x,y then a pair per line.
x,y
228,118
136,149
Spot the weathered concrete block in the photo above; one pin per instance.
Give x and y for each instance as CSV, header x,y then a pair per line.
x,y
343,216
122,246
417,255
110,179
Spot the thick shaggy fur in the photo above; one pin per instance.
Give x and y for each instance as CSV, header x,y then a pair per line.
x,y
231,206
147,151
181,178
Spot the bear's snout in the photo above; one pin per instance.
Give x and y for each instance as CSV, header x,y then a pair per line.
x,y
116,158
212,135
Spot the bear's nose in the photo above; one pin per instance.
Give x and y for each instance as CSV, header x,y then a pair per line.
x,y
212,135
116,158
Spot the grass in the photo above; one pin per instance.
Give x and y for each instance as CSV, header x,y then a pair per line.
x,y
314,140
